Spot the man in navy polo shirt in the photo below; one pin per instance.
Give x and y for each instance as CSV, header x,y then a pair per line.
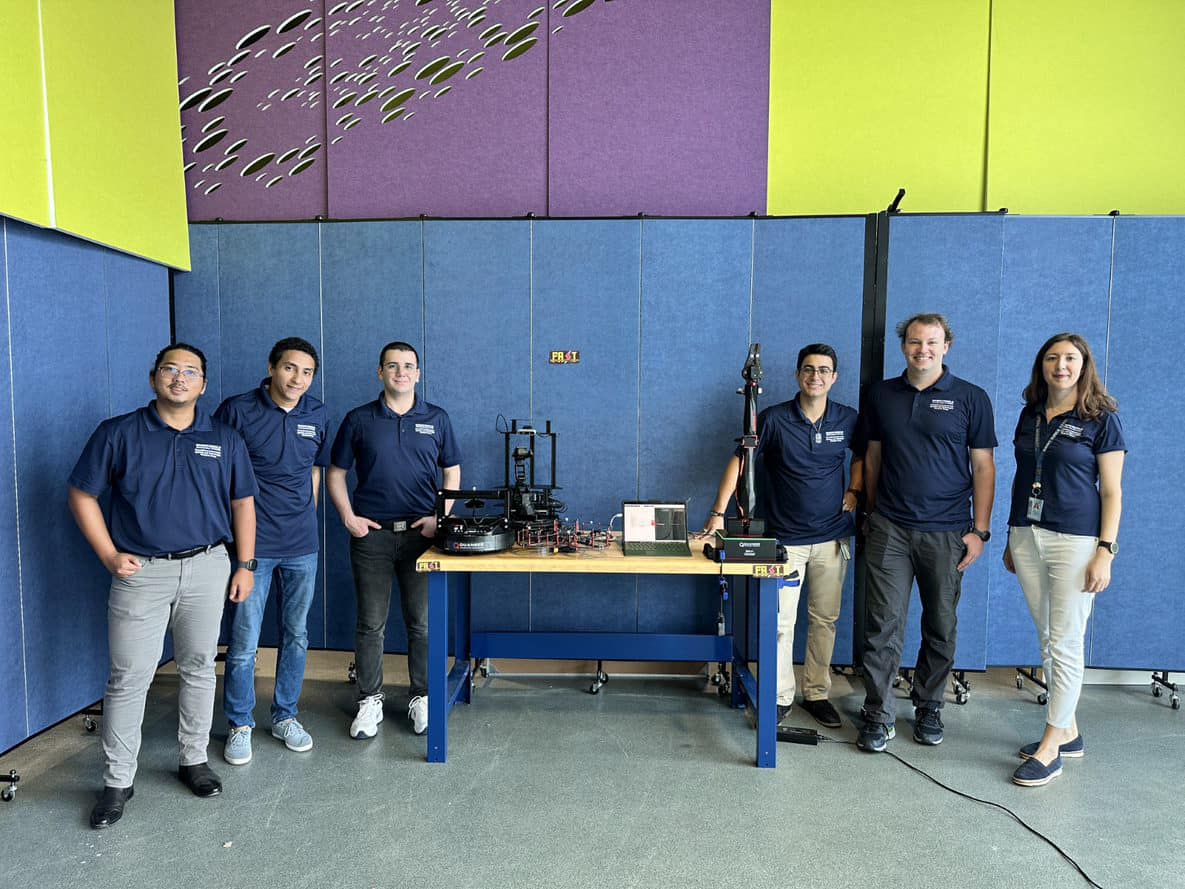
x,y
181,487
930,475
803,445
397,444
287,437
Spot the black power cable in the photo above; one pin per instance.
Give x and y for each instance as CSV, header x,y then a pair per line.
x,y
986,802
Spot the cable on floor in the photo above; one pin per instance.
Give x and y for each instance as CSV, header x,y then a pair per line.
x,y
986,802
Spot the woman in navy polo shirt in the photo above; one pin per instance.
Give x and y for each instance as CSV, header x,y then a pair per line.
x,y
1066,500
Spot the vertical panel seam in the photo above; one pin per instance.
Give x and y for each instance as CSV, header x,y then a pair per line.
x,y
752,271
531,318
423,300
1110,298
638,420
53,211
107,331
20,579
993,564
324,505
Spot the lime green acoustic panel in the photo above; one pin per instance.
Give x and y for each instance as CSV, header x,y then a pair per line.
x,y
867,96
24,167
114,125
1087,109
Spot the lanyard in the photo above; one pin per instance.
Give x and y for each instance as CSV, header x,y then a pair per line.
x,y
1040,450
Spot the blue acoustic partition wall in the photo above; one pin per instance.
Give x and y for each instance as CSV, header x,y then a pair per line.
x,y
1054,277
477,354
1140,621
951,265
660,311
371,293
14,713
695,329
82,326
808,282
586,293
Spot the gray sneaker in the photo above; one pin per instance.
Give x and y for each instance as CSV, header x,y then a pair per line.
x,y
238,745
293,735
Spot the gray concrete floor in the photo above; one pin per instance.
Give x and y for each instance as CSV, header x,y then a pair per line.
x,y
650,783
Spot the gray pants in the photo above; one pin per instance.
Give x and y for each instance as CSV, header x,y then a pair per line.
x,y
184,596
895,558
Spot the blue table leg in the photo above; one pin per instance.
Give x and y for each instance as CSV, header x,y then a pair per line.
x,y
739,600
438,703
767,671
462,650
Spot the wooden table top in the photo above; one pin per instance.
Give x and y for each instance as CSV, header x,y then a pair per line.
x,y
592,561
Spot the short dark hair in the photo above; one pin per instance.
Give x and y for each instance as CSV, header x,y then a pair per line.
x,y
817,349
927,318
160,356
293,344
402,347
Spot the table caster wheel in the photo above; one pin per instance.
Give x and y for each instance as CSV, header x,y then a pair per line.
x,y
89,724
1176,702
7,795
594,688
1156,692
961,698
896,682
1042,699
1020,682
352,673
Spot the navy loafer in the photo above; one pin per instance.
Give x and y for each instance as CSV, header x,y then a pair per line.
x,y
1034,773
1074,749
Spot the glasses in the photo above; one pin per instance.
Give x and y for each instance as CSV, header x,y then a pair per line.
x,y
808,370
188,374
392,366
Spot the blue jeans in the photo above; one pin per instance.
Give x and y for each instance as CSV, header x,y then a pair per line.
x,y
298,575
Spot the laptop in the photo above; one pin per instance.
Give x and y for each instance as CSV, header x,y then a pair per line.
x,y
654,528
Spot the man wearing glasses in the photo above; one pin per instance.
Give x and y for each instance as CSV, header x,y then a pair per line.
x,y
287,437
399,445
181,487
803,445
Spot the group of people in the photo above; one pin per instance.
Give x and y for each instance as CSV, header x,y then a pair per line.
x,y
206,508
922,461
209,507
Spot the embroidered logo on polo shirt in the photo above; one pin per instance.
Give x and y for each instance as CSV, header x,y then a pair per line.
x,y
1071,431
306,430
207,450
425,429
941,404
836,435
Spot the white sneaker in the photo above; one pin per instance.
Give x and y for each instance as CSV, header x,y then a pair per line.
x,y
370,714
417,712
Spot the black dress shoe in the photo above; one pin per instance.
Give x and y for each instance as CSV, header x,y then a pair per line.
x,y
200,779
823,712
109,808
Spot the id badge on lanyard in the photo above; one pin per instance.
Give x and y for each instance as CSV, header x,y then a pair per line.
x,y
1036,502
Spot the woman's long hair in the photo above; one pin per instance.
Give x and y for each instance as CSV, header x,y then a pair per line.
x,y
1093,397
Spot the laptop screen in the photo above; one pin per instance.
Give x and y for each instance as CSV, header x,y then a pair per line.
x,y
650,522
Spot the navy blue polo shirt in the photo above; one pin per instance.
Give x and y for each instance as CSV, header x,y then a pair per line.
x,y
284,447
805,464
1069,470
170,490
925,436
397,458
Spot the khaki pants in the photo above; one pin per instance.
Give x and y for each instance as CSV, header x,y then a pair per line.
x,y
823,567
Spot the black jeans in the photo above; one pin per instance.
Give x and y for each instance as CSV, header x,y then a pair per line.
x,y
377,559
895,557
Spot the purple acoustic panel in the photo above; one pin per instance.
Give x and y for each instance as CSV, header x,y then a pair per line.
x,y
658,107
437,107
252,86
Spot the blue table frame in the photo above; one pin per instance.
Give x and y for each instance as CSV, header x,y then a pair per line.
x,y
449,627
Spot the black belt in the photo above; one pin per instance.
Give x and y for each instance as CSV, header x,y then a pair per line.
x,y
188,553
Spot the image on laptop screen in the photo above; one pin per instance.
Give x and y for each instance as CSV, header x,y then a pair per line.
x,y
654,528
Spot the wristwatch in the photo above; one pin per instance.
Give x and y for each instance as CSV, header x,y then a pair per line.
x,y
1110,546
250,564
985,536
